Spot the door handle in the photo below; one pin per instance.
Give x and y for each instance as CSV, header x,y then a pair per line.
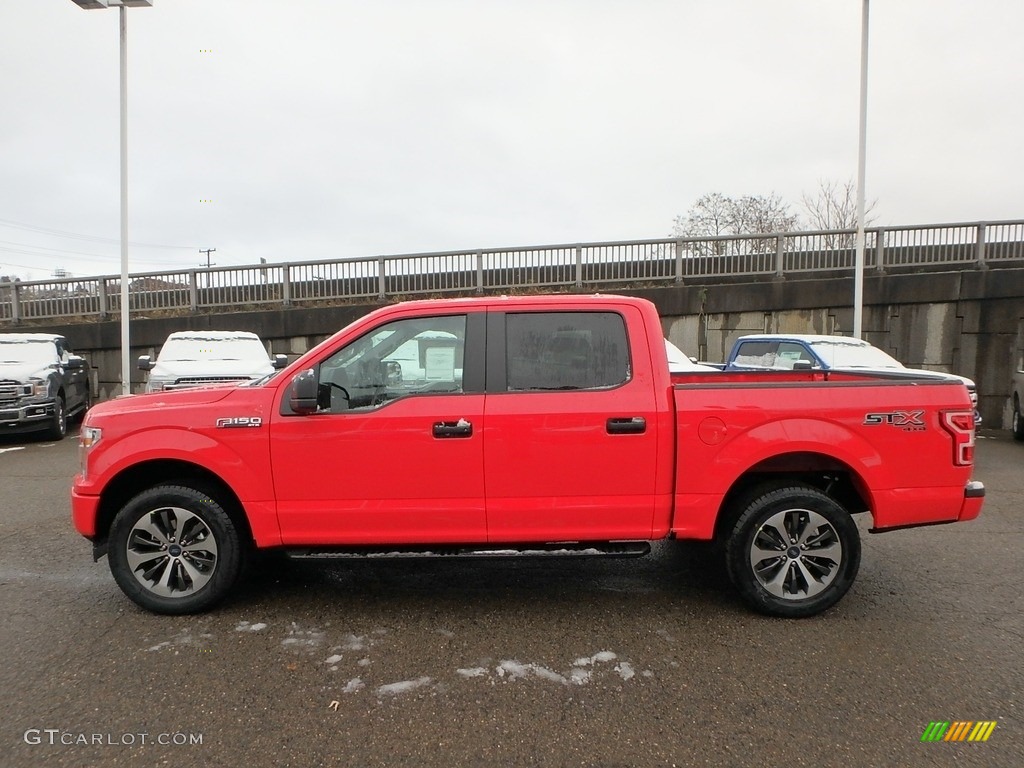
x,y
460,428
635,425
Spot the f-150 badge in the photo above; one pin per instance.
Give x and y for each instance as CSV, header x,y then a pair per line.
x,y
231,422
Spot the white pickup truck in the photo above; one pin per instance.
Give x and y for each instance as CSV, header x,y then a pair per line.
x,y
1016,396
201,358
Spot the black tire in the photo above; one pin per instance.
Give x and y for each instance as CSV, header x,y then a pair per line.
x,y
770,552
174,550
1017,425
59,423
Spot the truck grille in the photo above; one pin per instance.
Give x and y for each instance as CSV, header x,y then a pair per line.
x,y
201,381
10,391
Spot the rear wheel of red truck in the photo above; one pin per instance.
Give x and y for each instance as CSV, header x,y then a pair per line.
x,y
792,552
173,549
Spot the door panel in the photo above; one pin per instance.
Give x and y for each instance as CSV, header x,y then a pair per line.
x,y
382,477
394,453
570,459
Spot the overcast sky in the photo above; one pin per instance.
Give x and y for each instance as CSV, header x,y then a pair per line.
x,y
322,129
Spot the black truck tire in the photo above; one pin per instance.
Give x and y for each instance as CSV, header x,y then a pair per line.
x,y
174,550
792,552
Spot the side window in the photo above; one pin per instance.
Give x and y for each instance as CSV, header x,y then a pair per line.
x,y
757,354
565,350
415,356
789,354
62,350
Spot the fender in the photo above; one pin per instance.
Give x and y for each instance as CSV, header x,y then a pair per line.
x,y
243,466
740,452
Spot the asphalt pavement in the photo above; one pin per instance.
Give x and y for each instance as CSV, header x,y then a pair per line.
x,y
596,662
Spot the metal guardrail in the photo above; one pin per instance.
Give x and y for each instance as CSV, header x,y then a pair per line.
x,y
657,261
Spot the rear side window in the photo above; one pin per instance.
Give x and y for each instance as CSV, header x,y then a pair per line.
x,y
565,350
771,354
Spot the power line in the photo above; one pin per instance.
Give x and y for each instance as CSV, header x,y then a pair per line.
x,y
57,253
88,238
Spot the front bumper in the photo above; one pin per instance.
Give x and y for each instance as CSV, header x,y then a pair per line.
x,y
26,417
84,513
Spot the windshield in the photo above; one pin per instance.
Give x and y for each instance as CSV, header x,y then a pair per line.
x,y
213,348
853,355
39,352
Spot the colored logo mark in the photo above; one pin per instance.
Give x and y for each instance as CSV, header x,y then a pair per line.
x,y
959,730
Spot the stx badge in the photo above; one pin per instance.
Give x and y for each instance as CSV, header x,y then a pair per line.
x,y
908,421
231,422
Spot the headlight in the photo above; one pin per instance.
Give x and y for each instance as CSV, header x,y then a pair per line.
x,y
89,436
40,388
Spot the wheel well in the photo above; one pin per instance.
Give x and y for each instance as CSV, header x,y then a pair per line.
x,y
828,475
140,477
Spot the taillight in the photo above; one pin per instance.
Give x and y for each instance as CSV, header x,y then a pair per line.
x,y
960,424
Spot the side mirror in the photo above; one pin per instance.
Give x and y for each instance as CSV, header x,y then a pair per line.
x,y
302,393
75,363
280,361
145,363
803,365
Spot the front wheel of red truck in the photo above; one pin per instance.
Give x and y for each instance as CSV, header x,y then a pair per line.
x,y
174,550
792,552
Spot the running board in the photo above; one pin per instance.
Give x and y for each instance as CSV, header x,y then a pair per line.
x,y
559,549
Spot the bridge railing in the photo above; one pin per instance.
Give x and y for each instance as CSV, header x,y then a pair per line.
x,y
652,262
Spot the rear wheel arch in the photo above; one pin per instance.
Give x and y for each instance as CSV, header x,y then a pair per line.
x,y
824,473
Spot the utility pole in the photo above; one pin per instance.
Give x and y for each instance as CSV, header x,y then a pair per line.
x,y
208,251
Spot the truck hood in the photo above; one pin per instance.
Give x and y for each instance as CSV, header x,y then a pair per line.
x,y
176,369
22,371
161,400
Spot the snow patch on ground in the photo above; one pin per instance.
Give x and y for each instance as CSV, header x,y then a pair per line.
x,y
393,689
353,685
184,638
245,626
299,638
582,672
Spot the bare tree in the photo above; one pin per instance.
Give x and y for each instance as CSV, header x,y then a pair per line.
x,y
834,206
715,214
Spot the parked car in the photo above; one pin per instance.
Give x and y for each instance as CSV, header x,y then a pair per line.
x,y
542,425
781,351
42,383
678,362
1016,397
201,358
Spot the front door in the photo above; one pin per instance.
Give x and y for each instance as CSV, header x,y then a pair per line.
x,y
394,453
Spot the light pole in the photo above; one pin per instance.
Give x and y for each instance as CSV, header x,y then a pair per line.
x,y
858,277
126,375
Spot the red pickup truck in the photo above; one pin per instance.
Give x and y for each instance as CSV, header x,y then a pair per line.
x,y
546,424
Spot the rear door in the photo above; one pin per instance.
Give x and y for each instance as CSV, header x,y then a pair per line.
x,y
570,432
